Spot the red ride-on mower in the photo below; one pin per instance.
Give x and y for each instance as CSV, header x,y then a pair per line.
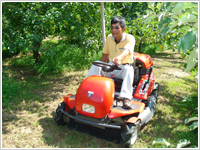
x,y
96,102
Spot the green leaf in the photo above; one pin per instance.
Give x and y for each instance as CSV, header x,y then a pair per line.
x,y
174,16
193,146
187,120
151,3
164,31
196,25
163,23
178,7
194,125
151,6
184,28
189,5
173,24
196,11
183,143
188,18
159,5
191,11
149,11
160,18
179,46
171,6
192,60
187,41
196,78
149,18
160,141
178,13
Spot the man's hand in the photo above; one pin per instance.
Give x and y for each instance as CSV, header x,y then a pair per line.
x,y
117,60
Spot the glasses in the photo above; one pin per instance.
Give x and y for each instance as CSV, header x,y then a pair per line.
x,y
117,28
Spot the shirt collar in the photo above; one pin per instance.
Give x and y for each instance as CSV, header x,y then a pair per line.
x,y
123,37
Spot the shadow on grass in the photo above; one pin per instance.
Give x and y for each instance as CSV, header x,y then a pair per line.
x,y
6,119
165,55
78,135
174,101
171,129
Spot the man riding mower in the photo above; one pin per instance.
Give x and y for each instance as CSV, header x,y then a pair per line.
x,y
120,94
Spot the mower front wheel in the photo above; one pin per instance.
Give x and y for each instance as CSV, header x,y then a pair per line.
x,y
130,134
59,115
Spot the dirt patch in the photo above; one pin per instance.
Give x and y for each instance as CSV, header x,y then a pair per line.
x,y
176,73
52,38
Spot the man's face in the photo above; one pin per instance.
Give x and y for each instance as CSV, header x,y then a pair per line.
x,y
117,31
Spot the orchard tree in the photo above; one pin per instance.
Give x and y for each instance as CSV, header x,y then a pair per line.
x,y
179,21
26,24
144,34
82,25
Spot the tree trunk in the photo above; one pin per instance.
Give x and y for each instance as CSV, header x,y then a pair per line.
x,y
36,53
139,47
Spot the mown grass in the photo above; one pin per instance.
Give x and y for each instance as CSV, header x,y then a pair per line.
x,y
30,99
172,110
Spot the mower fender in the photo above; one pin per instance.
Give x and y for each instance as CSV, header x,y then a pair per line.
x,y
144,92
133,120
69,101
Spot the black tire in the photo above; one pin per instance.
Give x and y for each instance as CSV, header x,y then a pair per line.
x,y
155,94
59,115
130,134
156,89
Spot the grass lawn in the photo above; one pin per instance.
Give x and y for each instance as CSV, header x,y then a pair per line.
x,y
30,99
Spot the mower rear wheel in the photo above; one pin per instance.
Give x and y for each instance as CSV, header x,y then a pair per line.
x,y
130,134
59,115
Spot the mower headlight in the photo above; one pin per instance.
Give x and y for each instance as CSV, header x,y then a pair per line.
x,y
88,108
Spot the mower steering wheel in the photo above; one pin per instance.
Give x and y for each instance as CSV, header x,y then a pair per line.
x,y
111,66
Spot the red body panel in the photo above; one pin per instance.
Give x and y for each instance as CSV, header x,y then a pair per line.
x,y
140,94
118,113
146,59
102,97
69,102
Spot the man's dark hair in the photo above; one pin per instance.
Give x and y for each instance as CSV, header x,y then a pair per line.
x,y
119,20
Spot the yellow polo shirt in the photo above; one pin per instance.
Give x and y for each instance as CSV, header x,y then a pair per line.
x,y
114,50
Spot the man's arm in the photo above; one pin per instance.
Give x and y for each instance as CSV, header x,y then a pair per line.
x,y
117,60
104,58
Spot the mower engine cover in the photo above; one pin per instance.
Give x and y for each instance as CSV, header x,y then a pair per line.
x,y
95,96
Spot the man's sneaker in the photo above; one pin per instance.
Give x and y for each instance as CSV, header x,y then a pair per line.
x,y
126,103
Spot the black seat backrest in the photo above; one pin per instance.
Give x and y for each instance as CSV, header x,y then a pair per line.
x,y
134,64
